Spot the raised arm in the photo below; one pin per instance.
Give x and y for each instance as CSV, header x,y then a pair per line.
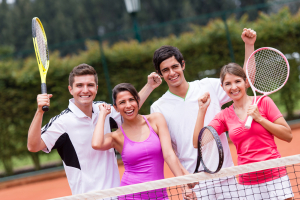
x,y
99,140
203,103
249,38
154,81
34,141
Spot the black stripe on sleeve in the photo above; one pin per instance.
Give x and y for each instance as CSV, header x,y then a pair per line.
x,y
44,129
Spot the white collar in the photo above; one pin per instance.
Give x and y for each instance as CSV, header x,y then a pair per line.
x,y
79,112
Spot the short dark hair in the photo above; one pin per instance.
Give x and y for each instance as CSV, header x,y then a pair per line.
x,y
82,69
163,53
125,87
234,69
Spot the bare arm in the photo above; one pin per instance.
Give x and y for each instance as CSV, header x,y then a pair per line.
x,y
249,38
184,171
203,103
34,141
279,128
154,81
99,140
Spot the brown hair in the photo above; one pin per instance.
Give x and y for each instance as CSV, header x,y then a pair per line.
x,y
234,69
163,53
125,87
82,69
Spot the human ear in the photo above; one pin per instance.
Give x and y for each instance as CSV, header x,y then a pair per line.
x,y
183,65
159,73
247,83
116,108
70,90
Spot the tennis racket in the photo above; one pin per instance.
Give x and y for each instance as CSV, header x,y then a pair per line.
x,y
41,52
210,151
267,70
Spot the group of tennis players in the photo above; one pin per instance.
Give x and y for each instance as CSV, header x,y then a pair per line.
x,y
83,138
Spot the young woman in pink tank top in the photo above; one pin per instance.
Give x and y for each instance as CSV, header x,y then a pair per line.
x,y
143,141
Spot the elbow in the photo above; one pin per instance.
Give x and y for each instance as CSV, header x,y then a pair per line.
x,y
289,139
31,148
195,144
96,145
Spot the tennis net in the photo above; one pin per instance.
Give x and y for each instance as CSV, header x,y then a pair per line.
x,y
272,179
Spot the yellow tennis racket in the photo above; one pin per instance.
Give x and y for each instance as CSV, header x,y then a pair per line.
x,y
41,52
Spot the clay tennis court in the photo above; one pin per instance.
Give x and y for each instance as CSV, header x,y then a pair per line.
x,y
59,187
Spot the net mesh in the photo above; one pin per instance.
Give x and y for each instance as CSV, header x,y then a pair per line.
x,y
42,44
272,179
209,147
267,70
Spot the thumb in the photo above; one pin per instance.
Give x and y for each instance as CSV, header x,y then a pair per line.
x,y
50,95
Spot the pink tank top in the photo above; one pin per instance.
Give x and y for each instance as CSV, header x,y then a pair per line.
x,y
143,162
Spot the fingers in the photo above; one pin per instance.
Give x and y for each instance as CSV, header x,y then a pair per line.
x,y
248,32
155,77
105,108
192,185
189,195
204,97
43,100
253,112
154,80
108,108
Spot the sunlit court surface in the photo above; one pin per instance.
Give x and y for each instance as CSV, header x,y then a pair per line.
x,y
59,187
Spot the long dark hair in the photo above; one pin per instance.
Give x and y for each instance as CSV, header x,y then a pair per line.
x,y
125,87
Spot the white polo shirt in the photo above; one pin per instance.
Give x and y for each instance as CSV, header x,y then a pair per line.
x,y
71,133
181,115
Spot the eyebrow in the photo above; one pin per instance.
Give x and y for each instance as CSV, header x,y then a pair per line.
x,y
120,101
171,66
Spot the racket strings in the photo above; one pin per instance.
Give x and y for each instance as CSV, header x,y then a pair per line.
x,y
209,150
267,70
42,44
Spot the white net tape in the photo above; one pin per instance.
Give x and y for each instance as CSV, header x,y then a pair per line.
x,y
293,168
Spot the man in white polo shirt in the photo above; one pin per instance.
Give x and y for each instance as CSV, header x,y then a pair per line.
x,y
179,105
71,133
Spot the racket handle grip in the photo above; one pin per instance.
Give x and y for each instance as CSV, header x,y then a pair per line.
x,y
248,122
44,91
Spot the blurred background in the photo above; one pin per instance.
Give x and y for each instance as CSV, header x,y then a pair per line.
x,y
119,42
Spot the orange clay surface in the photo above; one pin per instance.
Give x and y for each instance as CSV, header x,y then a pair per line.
x,y
59,187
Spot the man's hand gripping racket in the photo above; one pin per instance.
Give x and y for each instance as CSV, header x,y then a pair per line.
x,y
41,52
267,71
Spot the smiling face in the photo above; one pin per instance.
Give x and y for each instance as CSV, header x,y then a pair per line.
x,y
126,105
172,72
84,90
234,86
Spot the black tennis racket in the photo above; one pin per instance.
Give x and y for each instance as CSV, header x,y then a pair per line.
x,y
210,151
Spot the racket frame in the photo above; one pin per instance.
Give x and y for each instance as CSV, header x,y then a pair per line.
x,y
220,151
43,69
249,118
